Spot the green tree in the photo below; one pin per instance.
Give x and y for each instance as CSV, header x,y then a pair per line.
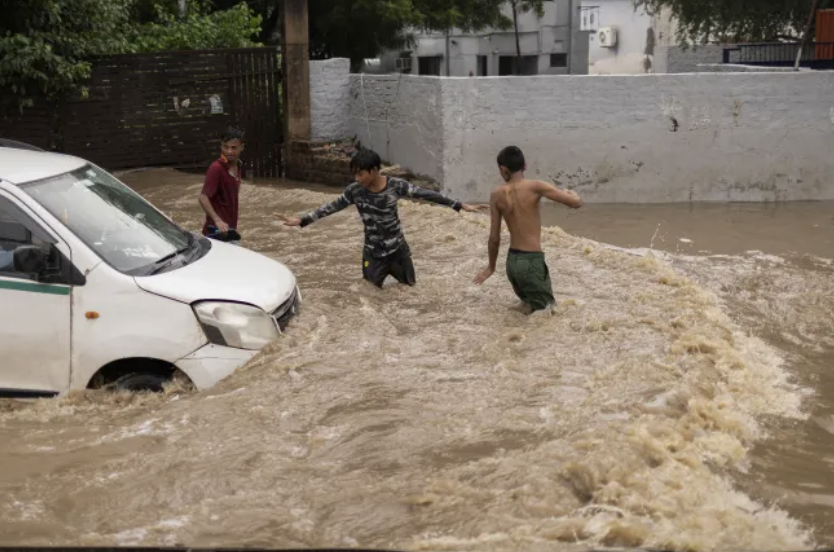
x,y
467,15
268,10
147,11
45,45
237,27
359,29
703,21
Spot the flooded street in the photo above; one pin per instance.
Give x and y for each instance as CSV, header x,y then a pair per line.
x,y
681,396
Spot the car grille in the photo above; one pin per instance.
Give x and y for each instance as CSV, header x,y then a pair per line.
x,y
286,311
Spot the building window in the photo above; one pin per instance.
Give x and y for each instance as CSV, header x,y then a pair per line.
x,y
558,60
482,66
589,18
512,65
505,65
429,65
403,62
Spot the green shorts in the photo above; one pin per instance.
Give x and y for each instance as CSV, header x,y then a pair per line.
x,y
530,277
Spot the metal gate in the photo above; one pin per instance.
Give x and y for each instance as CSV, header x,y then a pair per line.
x,y
169,109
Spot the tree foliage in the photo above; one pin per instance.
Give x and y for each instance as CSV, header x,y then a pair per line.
x,y
268,10
467,15
147,11
236,27
46,46
359,29
736,20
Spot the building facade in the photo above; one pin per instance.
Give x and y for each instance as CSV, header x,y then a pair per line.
x,y
550,45
623,40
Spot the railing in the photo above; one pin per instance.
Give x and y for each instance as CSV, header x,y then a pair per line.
x,y
815,55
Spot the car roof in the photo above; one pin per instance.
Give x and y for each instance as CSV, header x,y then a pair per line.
x,y
18,166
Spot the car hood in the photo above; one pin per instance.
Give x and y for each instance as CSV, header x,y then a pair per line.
x,y
226,273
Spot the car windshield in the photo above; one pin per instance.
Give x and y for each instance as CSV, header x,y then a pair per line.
x,y
116,222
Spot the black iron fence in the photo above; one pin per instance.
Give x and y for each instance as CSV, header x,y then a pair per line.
x,y
163,109
815,55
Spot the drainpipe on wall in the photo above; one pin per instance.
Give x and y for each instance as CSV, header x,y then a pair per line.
x,y
448,59
570,37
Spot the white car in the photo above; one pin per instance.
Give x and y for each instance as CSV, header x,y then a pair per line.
x,y
98,288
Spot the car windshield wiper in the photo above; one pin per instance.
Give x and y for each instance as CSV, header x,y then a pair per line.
x,y
166,261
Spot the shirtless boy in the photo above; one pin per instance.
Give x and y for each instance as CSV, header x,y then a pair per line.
x,y
517,201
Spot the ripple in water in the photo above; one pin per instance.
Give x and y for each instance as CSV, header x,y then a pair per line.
x,y
433,418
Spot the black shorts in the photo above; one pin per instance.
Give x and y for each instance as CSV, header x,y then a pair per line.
x,y
397,264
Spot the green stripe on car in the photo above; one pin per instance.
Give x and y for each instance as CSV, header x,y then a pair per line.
x,y
16,285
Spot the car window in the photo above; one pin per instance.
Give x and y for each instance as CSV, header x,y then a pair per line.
x,y
13,234
126,231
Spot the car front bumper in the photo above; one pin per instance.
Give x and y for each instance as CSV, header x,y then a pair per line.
x,y
209,364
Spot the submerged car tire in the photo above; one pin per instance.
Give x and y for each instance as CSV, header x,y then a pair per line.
x,y
141,381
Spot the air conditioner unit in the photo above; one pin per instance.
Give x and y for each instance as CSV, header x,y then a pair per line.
x,y
607,37
403,64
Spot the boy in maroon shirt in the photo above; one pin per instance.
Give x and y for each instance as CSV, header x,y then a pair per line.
x,y
219,197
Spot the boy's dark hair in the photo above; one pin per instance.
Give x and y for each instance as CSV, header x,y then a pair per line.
x,y
512,158
365,160
232,133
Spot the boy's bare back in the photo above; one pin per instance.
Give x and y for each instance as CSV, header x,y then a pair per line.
x,y
518,203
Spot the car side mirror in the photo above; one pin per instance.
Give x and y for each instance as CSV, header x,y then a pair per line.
x,y
30,259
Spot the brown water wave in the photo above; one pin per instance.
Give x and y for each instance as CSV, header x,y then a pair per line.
x,y
433,418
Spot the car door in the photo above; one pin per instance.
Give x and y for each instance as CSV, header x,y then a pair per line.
x,y
34,309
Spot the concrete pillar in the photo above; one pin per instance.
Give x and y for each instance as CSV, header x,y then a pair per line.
x,y
296,76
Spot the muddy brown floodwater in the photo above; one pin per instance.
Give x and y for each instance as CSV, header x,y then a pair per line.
x,y
680,396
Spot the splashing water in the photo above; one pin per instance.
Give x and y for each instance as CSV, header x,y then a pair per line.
x,y
433,418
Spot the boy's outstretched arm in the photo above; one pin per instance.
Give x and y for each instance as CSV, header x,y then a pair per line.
x,y
416,192
324,211
566,197
494,242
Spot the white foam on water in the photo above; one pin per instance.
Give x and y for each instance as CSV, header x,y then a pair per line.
x,y
440,417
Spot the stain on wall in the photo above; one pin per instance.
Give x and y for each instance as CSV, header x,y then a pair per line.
x,y
649,51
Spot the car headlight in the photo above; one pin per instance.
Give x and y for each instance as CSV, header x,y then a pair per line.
x,y
236,325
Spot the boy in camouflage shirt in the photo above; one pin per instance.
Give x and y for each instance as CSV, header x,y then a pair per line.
x,y
385,252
